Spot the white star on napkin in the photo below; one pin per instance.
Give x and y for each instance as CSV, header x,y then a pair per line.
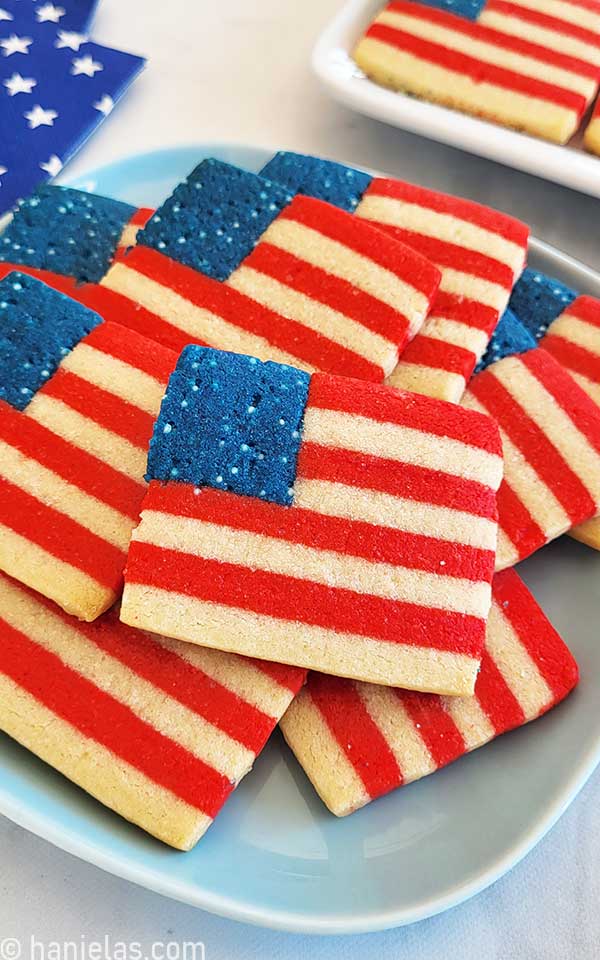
x,y
38,117
49,13
86,66
18,84
14,44
70,40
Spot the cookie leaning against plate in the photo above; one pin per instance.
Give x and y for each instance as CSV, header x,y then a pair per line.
x,y
159,731
318,521
233,260
479,252
78,398
357,741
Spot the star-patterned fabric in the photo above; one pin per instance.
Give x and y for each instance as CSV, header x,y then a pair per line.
x,y
56,86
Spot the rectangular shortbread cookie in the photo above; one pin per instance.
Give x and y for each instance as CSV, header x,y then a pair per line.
x,y
550,432
357,741
574,340
451,60
479,252
78,398
234,261
318,521
159,731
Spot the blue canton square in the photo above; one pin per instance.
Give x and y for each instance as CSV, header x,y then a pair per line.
x,y
326,180
509,338
66,231
212,220
538,299
469,9
230,422
38,328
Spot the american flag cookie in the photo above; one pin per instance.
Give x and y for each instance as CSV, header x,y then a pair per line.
x,y
550,432
159,731
232,260
479,252
357,741
567,26
592,133
70,232
78,398
574,340
318,521
477,69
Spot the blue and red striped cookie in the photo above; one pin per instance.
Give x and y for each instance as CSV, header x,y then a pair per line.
x,y
78,398
357,741
318,521
233,261
159,731
479,252
550,431
70,232
478,69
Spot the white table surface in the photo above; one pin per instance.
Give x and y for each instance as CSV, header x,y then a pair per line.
x,y
238,71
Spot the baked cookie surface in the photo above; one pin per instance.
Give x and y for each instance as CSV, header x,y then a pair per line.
x,y
78,401
70,232
235,261
358,741
159,731
550,432
479,252
318,521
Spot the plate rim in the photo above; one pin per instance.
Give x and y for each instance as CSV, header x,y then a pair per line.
x,y
230,907
561,164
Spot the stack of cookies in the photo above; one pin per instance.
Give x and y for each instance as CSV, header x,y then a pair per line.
x,y
533,65
249,476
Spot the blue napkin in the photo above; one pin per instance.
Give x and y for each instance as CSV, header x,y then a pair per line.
x,y
56,87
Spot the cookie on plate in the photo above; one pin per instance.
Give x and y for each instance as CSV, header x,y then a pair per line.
x,y
574,340
318,521
451,60
479,252
70,232
232,260
78,398
357,741
550,432
159,731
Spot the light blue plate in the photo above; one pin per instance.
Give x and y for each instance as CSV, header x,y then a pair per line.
x,y
275,856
